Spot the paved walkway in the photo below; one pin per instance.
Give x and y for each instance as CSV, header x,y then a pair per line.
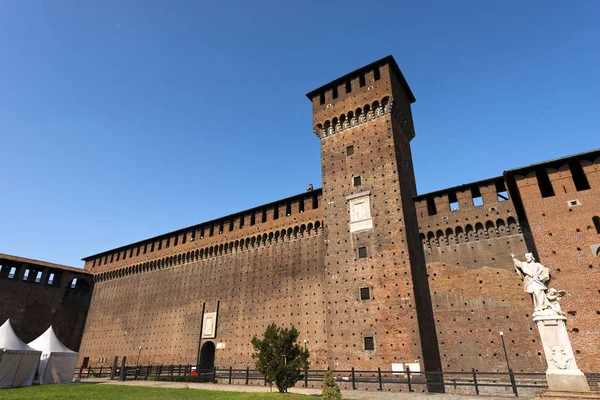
x,y
347,394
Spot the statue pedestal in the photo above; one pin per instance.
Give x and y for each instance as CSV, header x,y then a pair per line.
x,y
562,374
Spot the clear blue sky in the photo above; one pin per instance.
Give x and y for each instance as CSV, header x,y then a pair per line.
x,y
121,120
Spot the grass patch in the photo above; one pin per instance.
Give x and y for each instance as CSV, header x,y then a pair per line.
x,y
78,391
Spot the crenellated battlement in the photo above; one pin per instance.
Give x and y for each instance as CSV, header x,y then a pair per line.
x,y
280,215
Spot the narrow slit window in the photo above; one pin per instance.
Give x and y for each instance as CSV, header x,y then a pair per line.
x,y
152,247
315,202
145,248
276,212
184,238
376,74
26,274
365,293
137,252
175,240
348,86
231,223
350,150
193,236
221,226
579,178
288,208
211,230
476,196
369,343
322,97
253,218
431,210
454,206
38,277
112,257
51,279
159,245
118,255
334,92
12,272
362,252
264,215
357,181
301,205
544,183
73,283
241,221
596,220
361,78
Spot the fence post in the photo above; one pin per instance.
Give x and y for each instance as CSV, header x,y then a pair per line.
x,y
159,372
230,373
89,371
353,380
171,372
513,383
475,382
137,370
214,374
148,371
113,370
100,374
379,378
305,376
123,374
408,379
247,374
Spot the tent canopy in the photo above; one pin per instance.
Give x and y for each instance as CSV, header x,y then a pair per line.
x,y
49,343
9,339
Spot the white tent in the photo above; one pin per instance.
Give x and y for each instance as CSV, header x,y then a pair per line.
x,y
57,362
18,362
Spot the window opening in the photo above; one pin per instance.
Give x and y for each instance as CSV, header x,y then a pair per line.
x,y
322,97
112,257
73,283
211,231
241,221
51,279
544,183
152,247
365,293
476,195
454,206
193,236
184,238
350,150
176,240
357,181
362,252
301,205
264,215
315,202
276,212
145,248
596,220
376,73
369,343
160,244
501,192
221,226
118,255
252,218
137,252
431,210
288,208
38,277
231,223
334,92
26,274
361,78
348,86
12,272
579,178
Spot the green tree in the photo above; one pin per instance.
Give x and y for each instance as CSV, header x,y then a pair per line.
x,y
331,390
279,358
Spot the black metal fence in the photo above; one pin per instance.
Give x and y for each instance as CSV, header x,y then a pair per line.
x,y
474,382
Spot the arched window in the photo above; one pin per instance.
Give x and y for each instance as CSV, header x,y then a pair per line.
x,y
596,220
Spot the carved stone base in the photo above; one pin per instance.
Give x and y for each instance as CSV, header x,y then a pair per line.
x,y
567,380
556,395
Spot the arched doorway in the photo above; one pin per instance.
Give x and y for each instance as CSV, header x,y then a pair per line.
x,y
207,356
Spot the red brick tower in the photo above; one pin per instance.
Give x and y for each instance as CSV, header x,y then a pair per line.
x,y
378,304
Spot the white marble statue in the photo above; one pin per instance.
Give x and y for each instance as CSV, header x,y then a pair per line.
x,y
534,276
552,299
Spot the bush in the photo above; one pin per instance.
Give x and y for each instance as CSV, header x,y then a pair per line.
x,y
279,358
331,390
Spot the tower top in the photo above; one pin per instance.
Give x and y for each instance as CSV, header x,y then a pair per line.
x,y
389,60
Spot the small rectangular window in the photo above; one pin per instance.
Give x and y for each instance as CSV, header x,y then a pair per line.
x,y
118,255
51,279
544,183
334,92
264,215
365,293
322,97
431,210
26,274
361,78
152,247
221,226
376,74
112,257
241,221
38,277
301,205
356,181
348,86
288,208
193,236
362,252
276,212
176,240
12,272
453,202
579,178
137,252
501,192
369,343
253,218
184,238
211,231
476,196
350,150
160,244
315,202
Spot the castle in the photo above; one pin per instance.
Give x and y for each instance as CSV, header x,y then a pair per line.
x,y
369,272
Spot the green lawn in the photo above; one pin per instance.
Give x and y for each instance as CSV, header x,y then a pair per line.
x,y
82,391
